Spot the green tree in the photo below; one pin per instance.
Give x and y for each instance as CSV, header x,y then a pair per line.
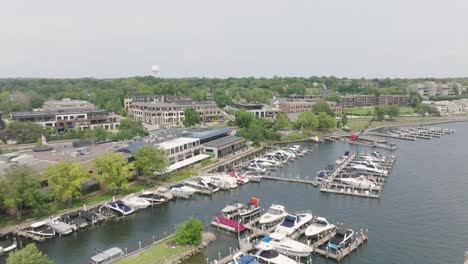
x,y
307,120
20,187
113,170
326,121
322,107
333,98
243,118
23,132
189,232
28,255
191,117
424,109
415,99
393,110
65,179
344,120
150,159
99,134
129,128
281,122
222,97
379,112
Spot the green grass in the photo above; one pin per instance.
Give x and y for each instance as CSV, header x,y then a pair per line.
x,y
181,175
404,110
156,254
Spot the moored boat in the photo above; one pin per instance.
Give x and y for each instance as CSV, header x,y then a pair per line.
x,y
120,207
342,238
318,227
294,222
7,244
275,214
225,223
40,229
152,197
285,245
267,254
250,209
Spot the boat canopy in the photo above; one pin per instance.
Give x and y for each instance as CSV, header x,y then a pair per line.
x,y
290,220
267,239
246,259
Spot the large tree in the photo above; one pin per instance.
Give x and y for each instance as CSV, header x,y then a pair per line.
x,y
150,160
65,180
393,110
379,112
222,97
189,232
326,121
191,117
23,132
281,122
130,128
307,120
28,255
113,170
243,118
20,187
322,107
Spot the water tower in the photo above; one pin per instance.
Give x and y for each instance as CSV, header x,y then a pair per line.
x,y
155,70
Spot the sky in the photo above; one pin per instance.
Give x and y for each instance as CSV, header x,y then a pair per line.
x,y
242,38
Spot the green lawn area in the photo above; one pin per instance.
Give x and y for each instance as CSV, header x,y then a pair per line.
x,y
181,175
155,254
404,110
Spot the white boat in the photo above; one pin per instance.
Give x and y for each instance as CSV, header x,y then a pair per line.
x,y
255,167
164,192
135,202
294,222
250,209
41,229
182,191
273,216
240,178
274,156
202,184
285,245
107,256
60,227
360,182
342,238
369,168
319,227
120,207
321,175
223,181
272,159
152,197
242,258
267,254
232,208
6,244
264,162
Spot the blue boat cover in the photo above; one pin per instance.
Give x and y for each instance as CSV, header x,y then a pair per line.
x,y
331,245
289,221
267,239
246,259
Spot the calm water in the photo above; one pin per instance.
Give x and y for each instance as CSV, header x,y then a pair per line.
x,y
422,216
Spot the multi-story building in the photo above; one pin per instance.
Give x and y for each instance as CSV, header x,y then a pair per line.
x,y
70,118
291,107
401,100
351,101
66,104
310,98
171,113
182,152
428,89
152,99
258,109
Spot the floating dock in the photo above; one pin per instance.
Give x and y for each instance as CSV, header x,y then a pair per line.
x,y
339,254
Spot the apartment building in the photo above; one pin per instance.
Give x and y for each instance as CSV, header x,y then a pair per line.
x,y
66,104
258,109
351,101
429,88
291,107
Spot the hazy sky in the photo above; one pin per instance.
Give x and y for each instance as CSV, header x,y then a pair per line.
x,y
216,38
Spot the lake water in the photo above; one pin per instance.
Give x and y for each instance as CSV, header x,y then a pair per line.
x,y
422,216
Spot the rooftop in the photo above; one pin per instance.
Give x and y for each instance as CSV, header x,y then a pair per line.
x,y
223,141
177,142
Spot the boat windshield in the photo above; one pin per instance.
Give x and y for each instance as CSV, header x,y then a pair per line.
x,y
269,254
321,223
274,211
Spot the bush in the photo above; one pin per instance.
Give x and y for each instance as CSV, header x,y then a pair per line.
x,y
189,232
28,255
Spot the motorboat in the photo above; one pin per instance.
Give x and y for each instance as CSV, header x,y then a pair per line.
x,y
74,219
274,156
318,227
107,256
275,214
6,244
250,209
321,175
286,245
164,192
182,191
240,178
224,181
60,227
294,222
202,184
264,162
120,207
41,229
286,154
360,182
232,208
92,216
221,221
369,168
107,212
342,238
152,197
272,159
268,254
135,202
253,166
365,162
242,258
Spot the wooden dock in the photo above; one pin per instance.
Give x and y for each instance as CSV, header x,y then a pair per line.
x,y
339,254
348,190
275,178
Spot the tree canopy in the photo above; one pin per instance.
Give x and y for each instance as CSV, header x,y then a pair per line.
x,y
129,128
22,132
28,255
113,170
243,118
322,107
191,117
189,232
151,159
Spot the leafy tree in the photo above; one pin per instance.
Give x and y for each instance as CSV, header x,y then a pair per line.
x,y
322,107
427,109
191,117
129,128
344,120
333,98
379,112
393,110
281,122
65,179
189,232
113,170
415,99
222,97
307,120
244,118
28,255
150,159
326,121
23,132
99,134
20,188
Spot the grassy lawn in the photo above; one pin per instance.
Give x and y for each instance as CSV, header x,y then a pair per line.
x,y
181,175
404,110
156,254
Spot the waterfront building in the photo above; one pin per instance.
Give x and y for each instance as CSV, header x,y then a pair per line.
x,y
258,109
224,146
182,152
429,88
352,101
66,104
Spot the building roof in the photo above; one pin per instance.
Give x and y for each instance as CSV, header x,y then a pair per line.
x,y
177,142
133,147
186,162
209,133
223,141
59,112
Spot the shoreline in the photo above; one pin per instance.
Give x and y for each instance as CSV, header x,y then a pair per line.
x,y
456,120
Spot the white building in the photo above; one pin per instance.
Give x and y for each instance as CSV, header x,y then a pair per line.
x,y
182,152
